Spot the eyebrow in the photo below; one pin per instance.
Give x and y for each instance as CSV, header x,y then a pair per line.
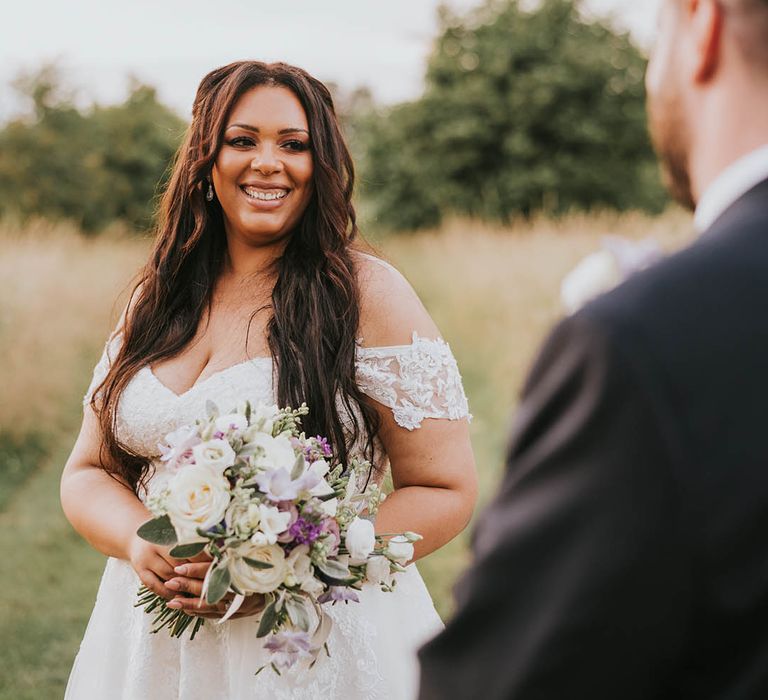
x,y
255,129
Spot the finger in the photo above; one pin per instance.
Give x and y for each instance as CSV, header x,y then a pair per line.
x,y
155,584
196,606
191,606
182,584
192,570
161,568
202,557
253,605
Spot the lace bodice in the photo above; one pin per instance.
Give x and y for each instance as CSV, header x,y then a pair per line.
x,y
416,381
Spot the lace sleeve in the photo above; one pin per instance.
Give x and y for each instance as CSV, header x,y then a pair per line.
x,y
416,381
102,367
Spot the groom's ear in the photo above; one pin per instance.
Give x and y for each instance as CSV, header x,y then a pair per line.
x,y
704,20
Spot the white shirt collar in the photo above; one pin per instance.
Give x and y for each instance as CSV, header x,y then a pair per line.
x,y
736,180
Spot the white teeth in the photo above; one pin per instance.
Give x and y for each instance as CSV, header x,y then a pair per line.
x,y
264,196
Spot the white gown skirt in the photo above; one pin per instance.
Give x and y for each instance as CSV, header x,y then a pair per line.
x,y
373,651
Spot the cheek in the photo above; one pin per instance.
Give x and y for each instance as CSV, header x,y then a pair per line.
x,y
658,67
224,170
303,173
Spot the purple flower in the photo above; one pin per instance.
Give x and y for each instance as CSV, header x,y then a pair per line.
x,y
331,528
338,594
218,435
318,448
177,450
304,531
288,648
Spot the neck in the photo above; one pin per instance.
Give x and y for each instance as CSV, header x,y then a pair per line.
x,y
247,259
729,126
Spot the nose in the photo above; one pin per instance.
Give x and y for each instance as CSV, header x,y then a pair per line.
x,y
266,161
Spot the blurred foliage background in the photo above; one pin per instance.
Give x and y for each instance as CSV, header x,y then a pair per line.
x,y
527,146
523,111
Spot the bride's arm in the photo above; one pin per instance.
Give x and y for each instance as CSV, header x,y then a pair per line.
x,y
433,472
102,509
107,513
433,467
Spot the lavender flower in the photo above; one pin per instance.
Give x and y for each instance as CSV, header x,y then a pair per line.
x,y
338,594
277,484
288,648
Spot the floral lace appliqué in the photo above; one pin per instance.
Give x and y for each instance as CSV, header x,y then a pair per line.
x,y
416,381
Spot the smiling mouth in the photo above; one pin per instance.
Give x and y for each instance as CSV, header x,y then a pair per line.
x,y
264,195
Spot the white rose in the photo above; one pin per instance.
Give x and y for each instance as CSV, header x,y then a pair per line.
x,y
251,580
377,570
595,274
360,538
278,452
400,550
300,571
232,421
215,454
243,518
198,497
273,522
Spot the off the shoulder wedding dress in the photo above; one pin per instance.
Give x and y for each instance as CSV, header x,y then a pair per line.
x,y
373,643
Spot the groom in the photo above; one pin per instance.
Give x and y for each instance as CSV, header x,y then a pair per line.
x,y
626,556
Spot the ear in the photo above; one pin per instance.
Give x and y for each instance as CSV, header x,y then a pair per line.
x,y
706,23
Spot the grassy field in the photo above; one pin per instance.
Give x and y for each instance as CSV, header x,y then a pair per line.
x,y
492,292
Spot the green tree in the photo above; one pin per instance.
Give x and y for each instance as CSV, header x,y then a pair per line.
x,y
523,110
91,166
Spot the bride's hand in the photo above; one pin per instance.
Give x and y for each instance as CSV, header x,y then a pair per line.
x,y
189,579
153,565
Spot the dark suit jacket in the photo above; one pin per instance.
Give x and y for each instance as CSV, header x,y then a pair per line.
x,y
626,555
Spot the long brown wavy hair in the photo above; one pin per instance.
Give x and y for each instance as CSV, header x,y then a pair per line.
x,y
315,304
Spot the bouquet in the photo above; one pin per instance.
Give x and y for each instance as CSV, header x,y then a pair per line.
x,y
601,271
278,518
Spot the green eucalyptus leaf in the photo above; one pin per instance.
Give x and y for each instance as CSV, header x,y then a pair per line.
x,y
268,620
256,564
334,569
184,551
298,613
158,531
298,467
218,585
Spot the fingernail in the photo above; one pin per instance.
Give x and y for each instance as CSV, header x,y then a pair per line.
x,y
181,569
173,584
173,604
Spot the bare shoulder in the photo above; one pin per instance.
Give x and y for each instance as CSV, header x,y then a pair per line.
x,y
391,311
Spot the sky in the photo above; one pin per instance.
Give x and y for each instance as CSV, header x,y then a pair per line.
x,y
171,44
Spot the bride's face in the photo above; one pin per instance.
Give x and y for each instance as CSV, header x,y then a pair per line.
x,y
263,172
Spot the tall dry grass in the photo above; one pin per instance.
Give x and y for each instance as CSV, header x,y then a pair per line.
x,y
61,292
493,292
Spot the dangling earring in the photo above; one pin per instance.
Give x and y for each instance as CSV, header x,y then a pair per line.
x,y
209,193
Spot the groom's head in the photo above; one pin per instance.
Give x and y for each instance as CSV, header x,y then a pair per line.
x,y
707,84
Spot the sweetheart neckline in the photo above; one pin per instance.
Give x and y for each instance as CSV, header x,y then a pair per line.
x,y
201,382
372,351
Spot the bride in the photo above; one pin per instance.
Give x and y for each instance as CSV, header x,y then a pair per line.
x,y
254,290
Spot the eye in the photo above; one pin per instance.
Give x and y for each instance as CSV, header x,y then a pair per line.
x,y
296,145
241,142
